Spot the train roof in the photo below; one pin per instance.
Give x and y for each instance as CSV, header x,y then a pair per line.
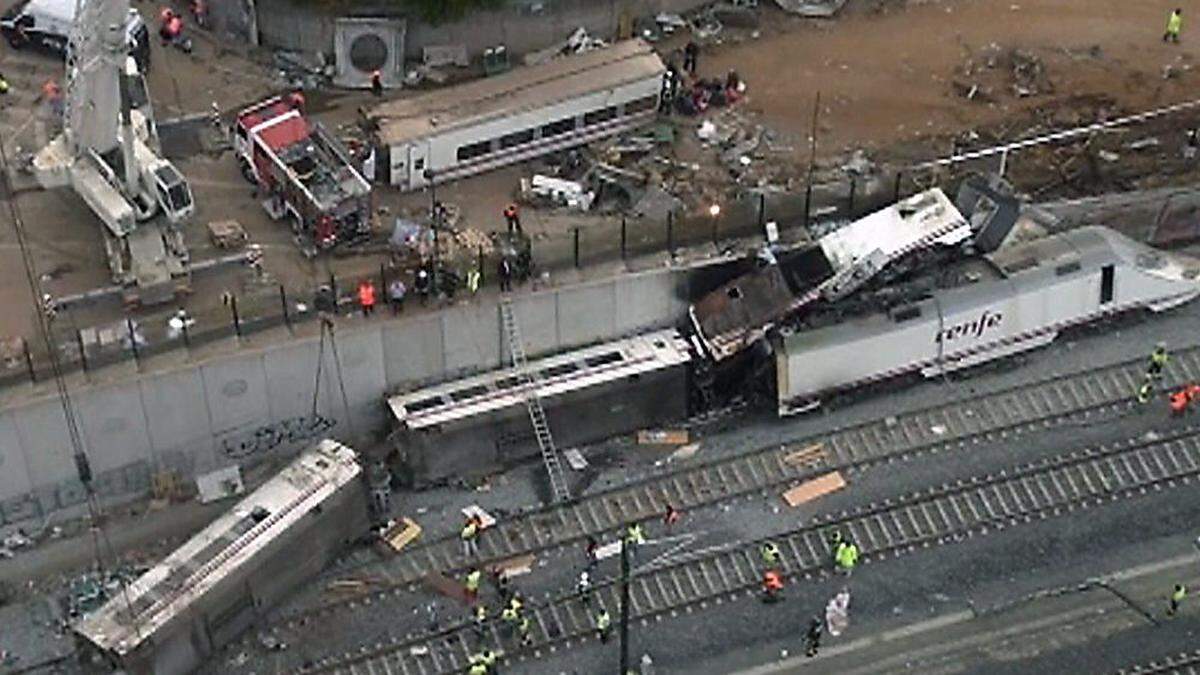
x,y
908,224
556,375
228,543
520,89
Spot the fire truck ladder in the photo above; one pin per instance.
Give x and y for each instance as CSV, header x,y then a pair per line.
x,y
533,403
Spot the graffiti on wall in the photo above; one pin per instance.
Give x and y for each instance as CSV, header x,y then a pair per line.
x,y
285,433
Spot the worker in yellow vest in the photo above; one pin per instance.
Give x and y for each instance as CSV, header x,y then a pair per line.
x,y
1174,26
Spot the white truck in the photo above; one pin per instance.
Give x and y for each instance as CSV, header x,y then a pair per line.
x,y
47,24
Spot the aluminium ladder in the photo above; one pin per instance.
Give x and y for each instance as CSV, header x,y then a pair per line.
x,y
533,403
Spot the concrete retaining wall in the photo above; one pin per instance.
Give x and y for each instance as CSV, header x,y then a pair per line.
x,y
257,404
285,25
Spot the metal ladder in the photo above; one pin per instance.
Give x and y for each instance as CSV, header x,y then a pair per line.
x,y
537,415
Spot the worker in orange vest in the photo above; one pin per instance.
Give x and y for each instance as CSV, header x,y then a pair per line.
x,y
1179,401
366,296
377,83
513,218
772,585
296,100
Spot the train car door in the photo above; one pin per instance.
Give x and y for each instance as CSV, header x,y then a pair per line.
x,y
418,164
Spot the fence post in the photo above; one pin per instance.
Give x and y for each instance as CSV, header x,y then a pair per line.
x,y
237,320
28,360
383,280
762,211
671,233
850,205
287,318
187,338
899,177
715,225
807,203
624,236
132,340
577,248
82,350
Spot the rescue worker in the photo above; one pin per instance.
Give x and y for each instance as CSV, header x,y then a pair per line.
x,y
812,638
3,84
691,54
489,660
584,587
470,537
199,10
603,625
512,218
424,284
847,556
770,553
506,274
835,543
510,616
396,292
1146,391
589,551
52,95
500,581
1177,597
1158,360
296,100
634,537
1191,144
525,630
1179,402
772,585
477,665
366,296
473,277
671,517
377,83
1174,26
480,618
471,584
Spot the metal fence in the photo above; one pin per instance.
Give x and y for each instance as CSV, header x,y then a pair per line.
x,y
267,306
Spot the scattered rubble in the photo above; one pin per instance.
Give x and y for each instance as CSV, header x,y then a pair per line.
x,y
578,42
821,9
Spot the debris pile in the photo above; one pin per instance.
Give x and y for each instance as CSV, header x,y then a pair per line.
x,y
821,9
87,592
577,43
994,70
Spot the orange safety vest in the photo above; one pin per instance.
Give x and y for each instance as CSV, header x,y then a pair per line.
x,y
510,211
1179,401
366,294
1193,392
771,581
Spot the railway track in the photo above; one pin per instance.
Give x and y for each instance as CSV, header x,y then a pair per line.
x,y
1184,663
986,417
989,416
929,518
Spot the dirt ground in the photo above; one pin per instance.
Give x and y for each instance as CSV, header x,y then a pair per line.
x,y
892,77
885,77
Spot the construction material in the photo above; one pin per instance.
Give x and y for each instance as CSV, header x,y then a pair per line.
x,y
220,484
662,437
515,567
812,489
575,459
806,456
684,452
227,233
486,519
397,535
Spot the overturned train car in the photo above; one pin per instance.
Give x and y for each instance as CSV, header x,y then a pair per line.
x,y
983,308
474,426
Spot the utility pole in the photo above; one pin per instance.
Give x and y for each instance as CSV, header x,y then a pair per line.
x,y
436,220
624,606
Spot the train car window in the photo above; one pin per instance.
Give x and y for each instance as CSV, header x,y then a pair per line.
x,y
1107,279
599,116
603,359
641,105
506,383
560,127
1068,268
519,138
469,393
423,404
560,369
474,150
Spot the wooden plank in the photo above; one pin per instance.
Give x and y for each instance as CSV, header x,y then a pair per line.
x,y
809,454
399,535
515,566
812,489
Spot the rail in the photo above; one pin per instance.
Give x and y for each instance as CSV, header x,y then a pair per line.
x,y
958,426
922,520
1183,663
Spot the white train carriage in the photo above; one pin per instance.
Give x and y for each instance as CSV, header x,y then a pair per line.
x,y
525,113
1013,300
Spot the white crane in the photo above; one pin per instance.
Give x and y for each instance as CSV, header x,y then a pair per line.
x,y
109,154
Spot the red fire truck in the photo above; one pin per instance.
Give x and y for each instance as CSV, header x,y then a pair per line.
x,y
303,174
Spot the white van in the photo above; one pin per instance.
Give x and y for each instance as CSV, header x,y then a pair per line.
x,y
47,24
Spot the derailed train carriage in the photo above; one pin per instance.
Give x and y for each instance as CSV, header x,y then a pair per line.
x,y
986,308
